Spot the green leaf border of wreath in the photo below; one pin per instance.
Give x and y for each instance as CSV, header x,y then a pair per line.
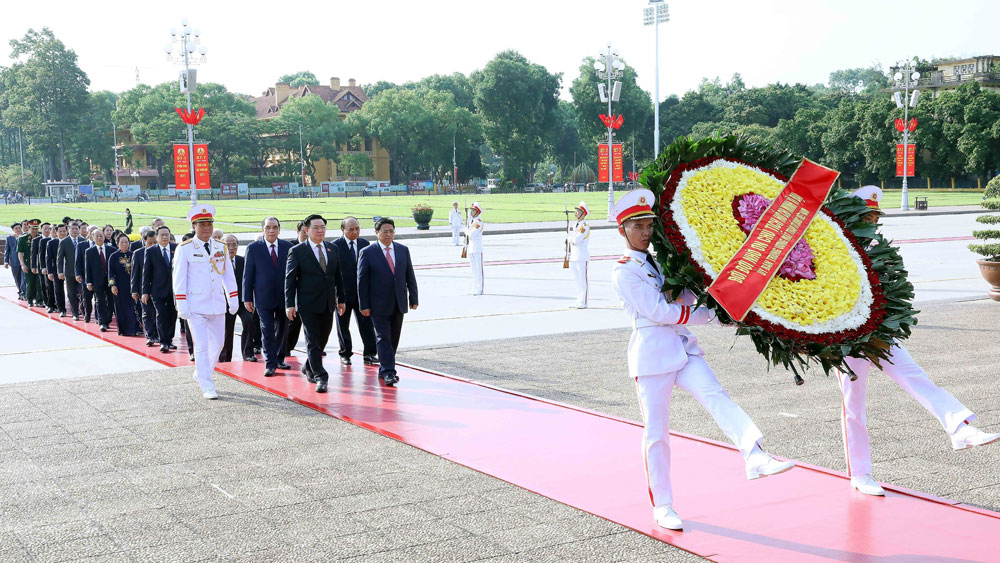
x,y
886,261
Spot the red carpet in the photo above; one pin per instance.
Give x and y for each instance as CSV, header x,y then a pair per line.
x,y
591,461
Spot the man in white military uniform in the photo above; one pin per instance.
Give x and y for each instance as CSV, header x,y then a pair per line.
x,y
455,223
900,367
205,288
579,254
663,354
474,236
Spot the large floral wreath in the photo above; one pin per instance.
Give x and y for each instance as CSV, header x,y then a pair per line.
x,y
841,292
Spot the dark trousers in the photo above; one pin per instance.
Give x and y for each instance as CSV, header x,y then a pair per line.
x,y
292,335
31,291
46,287
365,327
317,327
73,295
149,320
246,338
166,318
103,304
274,335
58,294
15,269
387,331
87,297
258,344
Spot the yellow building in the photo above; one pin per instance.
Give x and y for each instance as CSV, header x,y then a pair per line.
x,y
136,166
347,99
950,74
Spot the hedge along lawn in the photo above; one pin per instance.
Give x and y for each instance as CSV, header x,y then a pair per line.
x,y
237,216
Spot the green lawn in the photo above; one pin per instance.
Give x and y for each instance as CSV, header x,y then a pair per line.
x,y
244,215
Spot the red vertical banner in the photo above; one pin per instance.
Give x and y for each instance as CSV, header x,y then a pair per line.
x,y
201,176
911,160
182,170
744,278
602,163
616,154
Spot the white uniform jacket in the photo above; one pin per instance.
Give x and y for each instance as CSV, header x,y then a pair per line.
x,y
204,281
579,243
660,343
474,234
455,218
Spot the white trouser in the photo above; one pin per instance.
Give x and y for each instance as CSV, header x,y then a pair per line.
x,y
579,270
907,374
455,231
209,335
654,399
476,263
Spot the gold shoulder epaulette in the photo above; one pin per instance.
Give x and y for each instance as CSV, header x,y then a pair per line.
x,y
188,241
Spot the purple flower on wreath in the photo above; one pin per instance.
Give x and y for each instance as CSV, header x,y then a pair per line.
x,y
799,263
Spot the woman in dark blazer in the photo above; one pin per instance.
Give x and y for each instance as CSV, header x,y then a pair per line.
x,y
120,280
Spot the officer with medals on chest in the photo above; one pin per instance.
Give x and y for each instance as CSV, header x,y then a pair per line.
x,y
205,288
662,354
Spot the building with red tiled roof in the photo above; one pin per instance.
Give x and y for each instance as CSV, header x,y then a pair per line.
x,y
347,99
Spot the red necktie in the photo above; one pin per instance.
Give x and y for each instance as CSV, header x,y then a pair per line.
x,y
104,261
388,258
274,256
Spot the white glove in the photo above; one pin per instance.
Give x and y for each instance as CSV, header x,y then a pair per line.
x,y
182,310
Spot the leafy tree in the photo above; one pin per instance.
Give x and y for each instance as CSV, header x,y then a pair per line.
x,y
372,90
861,81
679,116
803,134
568,148
457,83
877,139
517,102
767,105
92,140
45,94
635,104
841,129
321,126
355,165
301,78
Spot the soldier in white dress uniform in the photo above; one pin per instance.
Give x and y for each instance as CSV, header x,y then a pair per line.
x,y
455,223
900,367
579,254
474,236
205,288
662,354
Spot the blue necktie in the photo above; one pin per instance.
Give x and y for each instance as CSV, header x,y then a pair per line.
x,y
166,257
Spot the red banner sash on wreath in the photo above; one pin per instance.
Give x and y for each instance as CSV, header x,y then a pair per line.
x,y
743,280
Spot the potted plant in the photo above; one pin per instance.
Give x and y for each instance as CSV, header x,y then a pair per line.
x,y
422,214
989,249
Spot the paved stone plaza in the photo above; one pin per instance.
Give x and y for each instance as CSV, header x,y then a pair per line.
x,y
130,464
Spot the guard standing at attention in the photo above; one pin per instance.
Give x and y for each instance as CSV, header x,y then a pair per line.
x,y
579,254
205,288
474,236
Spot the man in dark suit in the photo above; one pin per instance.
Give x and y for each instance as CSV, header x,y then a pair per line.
x,y
264,292
86,296
66,267
148,311
158,287
51,255
246,339
37,265
295,325
96,276
10,258
314,291
349,245
386,285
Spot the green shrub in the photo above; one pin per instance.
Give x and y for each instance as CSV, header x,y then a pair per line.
x,y
990,249
992,189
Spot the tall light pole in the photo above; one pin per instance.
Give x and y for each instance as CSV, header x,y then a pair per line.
x,y
906,74
302,159
654,15
609,68
114,139
188,39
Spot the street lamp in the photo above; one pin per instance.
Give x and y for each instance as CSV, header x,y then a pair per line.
x,y
905,76
654,15
188,39
609,67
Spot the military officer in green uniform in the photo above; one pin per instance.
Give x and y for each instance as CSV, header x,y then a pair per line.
x,y
31,288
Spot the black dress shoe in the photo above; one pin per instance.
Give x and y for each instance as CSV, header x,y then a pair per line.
x,y
345,361
50,310
390,379
268,372
172,346
191,356
62,314
104,328
283,365
164,349
321,386
371,361
149,342
256,350
250,359
76,318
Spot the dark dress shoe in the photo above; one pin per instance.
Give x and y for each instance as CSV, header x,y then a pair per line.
x,y
256,350
149,342
345,361
76,318
321,386
62,314
324,354
311,378
283,365
191,356
172,346
390,379
164,349
268,372
250,359
104,328
371,361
